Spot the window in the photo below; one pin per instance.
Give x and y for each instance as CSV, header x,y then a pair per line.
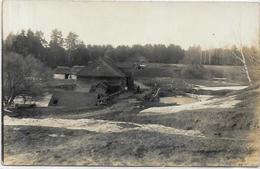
x,y
55,101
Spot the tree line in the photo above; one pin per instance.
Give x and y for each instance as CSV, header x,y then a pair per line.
x,y
70,50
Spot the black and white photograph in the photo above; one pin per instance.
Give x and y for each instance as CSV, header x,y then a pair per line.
x,y
130,83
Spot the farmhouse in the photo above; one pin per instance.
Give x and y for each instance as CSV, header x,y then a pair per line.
x,y
95,82
62,72
101,70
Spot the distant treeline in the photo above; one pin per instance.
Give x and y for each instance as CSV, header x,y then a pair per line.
x,y
70,50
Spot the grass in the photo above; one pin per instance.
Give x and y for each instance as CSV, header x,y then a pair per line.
x,y
36,146
225,142
153,70
133,148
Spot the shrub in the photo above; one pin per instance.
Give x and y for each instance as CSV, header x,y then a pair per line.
x,y
194,71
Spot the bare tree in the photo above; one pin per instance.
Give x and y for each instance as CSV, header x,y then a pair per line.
x,y
23,76
242,58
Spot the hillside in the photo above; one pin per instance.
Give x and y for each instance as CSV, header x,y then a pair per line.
x,y
121,135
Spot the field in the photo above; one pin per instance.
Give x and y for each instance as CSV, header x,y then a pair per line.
x,y
216,129
231,73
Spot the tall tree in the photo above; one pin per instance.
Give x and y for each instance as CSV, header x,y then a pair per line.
x,y
56,39
26,43
71,43
9,42
193,55
56,51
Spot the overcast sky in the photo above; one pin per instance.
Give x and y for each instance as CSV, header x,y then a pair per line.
x,y
211,24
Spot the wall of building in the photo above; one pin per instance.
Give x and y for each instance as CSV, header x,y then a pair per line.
x,y
73,99
84,84
59,76
73,77
62,76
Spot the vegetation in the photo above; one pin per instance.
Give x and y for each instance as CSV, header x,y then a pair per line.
x,y
27,56
70,50
23,76
196,71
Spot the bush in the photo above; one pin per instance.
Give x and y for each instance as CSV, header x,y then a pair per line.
x,y
23,76
194,71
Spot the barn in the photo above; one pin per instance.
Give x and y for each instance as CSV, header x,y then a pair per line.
x,y
101,70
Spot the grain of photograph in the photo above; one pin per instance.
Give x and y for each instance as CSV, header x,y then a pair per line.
x,y
130,83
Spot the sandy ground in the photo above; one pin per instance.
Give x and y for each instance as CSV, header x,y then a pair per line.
x,y
178,100
225,102
210,132
100,126
220,88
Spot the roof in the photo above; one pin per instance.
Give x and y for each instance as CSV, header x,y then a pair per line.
x,y
103,67
103,84
62,70
75,69
125,65
73,99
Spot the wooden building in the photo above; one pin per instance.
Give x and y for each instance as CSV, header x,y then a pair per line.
x,y
101,70
62,72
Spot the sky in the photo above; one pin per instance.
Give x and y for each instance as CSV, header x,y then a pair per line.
x,y
208,24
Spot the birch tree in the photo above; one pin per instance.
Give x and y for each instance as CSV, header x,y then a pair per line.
x,y
240,55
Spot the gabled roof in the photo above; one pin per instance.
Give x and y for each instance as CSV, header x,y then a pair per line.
x,y
103,84
125,65
103,67
75,69
62,70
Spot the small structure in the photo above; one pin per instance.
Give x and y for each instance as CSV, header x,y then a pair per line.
x,y
101,70
62,72
64,84
129,69
104,88
75,69
101,88
97,83
73,99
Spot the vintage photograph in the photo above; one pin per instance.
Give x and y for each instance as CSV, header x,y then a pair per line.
x,y
130,83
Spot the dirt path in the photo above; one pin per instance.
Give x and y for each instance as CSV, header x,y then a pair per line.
x,y
178,100
224,102
100,126
220,88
